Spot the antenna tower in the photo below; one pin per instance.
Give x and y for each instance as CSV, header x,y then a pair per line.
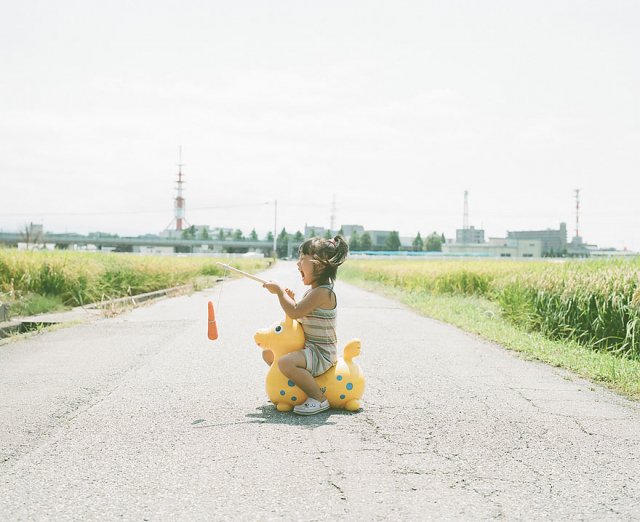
x,y
465,218
178,206
577,191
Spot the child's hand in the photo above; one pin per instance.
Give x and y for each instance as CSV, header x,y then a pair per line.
x,y
290,293
273,287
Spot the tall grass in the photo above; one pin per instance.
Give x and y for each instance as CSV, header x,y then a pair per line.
x,y
596,303
77,278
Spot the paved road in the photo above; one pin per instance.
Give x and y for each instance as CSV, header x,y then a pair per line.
x,y
140,417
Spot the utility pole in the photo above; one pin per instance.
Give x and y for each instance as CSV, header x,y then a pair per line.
x,y
577,191
465,216
333,214
275,230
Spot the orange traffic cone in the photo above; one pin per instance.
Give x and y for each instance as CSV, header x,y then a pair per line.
x,y
212,330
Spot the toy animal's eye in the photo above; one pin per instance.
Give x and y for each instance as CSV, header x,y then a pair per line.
x,y
279,329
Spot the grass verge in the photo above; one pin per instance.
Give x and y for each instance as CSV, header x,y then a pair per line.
x,y
484,318
34,282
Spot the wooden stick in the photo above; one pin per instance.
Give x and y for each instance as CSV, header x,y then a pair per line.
x,y
245,274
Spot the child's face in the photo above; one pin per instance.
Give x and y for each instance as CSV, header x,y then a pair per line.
x,y
306,266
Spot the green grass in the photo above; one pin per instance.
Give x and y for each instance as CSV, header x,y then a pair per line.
x,y
39,281
34,304
480,315
595,303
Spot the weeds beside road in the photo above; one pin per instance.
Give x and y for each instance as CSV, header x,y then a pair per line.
x,y
33,282
583,316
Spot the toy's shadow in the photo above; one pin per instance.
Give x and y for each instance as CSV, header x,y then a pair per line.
x,y
270,415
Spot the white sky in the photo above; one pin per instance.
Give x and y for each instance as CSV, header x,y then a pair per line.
x,y
395,107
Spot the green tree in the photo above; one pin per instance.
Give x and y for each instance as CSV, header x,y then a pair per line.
x,y
189,233
221,234
418,243
204,234
253,235
354,242
282,243
365,241
297,239
434,243
237,235
327,234
392,242
269,237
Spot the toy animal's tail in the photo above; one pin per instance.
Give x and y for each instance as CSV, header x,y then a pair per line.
x,y
351,350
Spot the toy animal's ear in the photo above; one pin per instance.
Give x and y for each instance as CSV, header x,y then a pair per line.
x,y
288,322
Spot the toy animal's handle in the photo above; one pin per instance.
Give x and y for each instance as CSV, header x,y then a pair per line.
x,y
245,274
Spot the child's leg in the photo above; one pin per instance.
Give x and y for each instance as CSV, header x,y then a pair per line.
x,y
267,355
294,366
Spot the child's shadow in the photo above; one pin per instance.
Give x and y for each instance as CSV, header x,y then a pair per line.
x,y
268,414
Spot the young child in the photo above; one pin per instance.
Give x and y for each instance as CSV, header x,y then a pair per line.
x,y
318,264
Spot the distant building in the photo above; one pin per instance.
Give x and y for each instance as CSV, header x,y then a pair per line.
x,y
577,248
613,253
200,232
171,234
310,231
554,242
470,235
154,250
348,230
216,232
496,247
379,238
406,242
36,230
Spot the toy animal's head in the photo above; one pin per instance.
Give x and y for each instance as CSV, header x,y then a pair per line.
x,y
281,338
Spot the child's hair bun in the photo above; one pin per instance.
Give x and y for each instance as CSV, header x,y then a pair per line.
x,y
341,250
329,254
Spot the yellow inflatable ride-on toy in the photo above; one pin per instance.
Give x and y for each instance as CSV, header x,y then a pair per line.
x,y
343,384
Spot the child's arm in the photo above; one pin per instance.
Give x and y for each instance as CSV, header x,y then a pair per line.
x,y
295,310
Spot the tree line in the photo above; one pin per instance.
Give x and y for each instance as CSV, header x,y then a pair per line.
x,y
357,242
432,243
364,243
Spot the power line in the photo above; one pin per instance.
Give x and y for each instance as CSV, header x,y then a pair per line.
x,y
125,212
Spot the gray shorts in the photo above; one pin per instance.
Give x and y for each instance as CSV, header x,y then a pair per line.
x,y
317,364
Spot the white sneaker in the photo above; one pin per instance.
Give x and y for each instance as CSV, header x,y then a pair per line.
x,y
311,407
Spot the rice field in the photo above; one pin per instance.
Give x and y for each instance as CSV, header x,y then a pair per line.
x,y
39,281
593,302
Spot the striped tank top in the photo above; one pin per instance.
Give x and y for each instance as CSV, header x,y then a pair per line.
x,y
320,333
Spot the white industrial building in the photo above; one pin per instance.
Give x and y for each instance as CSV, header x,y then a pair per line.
x,y
496,247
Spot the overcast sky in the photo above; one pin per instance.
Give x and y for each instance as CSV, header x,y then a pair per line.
x,y
394,107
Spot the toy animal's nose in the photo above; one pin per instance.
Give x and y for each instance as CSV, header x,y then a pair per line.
x,y
259,339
